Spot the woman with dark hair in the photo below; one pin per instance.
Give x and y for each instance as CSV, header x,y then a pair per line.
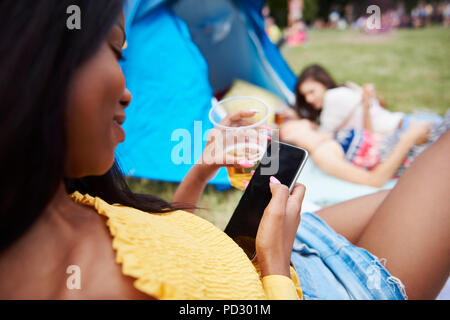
x,y
311,86
64,199
64,98
339,107
371,144
37,72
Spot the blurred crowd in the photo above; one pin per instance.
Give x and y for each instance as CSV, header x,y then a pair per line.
x,y
424,14
295,32
348,16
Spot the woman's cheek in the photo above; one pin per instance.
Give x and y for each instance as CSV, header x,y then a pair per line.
x,y
90,144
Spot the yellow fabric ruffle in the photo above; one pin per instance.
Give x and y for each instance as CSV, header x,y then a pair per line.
x,y
178,255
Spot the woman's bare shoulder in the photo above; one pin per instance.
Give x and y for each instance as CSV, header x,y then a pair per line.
x,y
101,274
66,260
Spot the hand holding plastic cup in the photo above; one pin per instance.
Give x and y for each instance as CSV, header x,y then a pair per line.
x,y
243,122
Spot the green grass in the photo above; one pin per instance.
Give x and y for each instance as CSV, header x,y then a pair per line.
x,y
410,69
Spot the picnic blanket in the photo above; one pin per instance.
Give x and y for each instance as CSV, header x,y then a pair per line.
x,y
324,190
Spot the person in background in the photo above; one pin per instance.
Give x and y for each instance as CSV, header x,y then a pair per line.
x,y
446,15
296,34
338,107
359,156
273,32
295,11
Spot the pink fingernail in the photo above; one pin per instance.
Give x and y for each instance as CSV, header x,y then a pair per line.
x,y
269,138
274,180
252,172
245,182
246,164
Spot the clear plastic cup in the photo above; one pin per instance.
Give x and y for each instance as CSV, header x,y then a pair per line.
x,y
252,148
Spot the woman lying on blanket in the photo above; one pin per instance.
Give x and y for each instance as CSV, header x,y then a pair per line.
x,y
339,107
69,221
360,156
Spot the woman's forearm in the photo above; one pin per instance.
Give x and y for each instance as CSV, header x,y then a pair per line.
x,y
385,170
330,158
367,94
367,121
191,188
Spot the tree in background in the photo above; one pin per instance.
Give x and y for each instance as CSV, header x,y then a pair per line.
x,y
310,10
278,10
409,5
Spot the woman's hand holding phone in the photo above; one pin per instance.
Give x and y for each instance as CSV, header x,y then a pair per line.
x,y
277,229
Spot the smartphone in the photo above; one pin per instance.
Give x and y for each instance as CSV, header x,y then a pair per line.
x,y
284,162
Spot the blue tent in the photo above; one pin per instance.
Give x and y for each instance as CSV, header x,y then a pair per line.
x,y
179,54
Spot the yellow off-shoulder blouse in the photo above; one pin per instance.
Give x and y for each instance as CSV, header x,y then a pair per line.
x,y
178,255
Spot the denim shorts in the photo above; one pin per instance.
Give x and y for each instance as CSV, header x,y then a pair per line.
x,y
330,267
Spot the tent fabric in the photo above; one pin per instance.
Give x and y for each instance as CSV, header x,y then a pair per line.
x,y
232,38
271,52
170,92
173,71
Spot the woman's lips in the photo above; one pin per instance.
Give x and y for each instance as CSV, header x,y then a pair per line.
x,y
117,123
120,119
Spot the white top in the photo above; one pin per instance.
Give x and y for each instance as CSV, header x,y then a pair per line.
x,y
343,109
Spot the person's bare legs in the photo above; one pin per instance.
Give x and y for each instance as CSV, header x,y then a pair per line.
x,y
350,218
411,227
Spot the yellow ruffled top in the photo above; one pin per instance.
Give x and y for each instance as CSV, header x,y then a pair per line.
x,y
179,255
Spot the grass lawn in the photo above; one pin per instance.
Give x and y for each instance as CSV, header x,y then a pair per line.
x,y
410,69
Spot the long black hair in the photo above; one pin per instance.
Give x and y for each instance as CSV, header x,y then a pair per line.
x,y
39,56
316,73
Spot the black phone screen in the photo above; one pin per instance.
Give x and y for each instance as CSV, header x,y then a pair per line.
x,y
282,161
